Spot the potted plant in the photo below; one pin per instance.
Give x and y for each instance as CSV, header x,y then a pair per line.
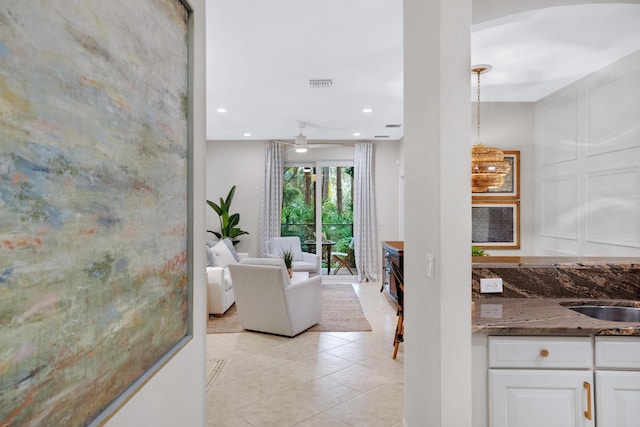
x,y
287,257
475,251
228,222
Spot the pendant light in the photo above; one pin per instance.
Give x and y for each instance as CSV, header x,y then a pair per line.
x,y
488,167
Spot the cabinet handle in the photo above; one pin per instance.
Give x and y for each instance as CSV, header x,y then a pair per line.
x,y
587,413
544,352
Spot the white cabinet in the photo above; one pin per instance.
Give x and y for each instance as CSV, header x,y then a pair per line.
x,y
618,353
534,398
618,381
540,381
618,397
557,382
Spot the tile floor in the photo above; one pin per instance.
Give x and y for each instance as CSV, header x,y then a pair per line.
x,y
315,379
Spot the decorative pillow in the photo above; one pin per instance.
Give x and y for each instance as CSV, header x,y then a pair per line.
x,y
232,249
222,255
211,258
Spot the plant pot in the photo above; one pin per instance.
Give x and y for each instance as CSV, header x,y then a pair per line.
x,y
290,270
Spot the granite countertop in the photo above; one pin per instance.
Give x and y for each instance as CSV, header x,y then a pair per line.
x,y
546,316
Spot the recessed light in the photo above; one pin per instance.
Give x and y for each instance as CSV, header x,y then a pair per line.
x,y
356,134
221,110
246,134
367,110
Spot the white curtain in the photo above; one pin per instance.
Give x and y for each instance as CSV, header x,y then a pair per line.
x,y
364,213
271,204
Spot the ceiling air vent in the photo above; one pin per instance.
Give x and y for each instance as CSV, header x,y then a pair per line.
x,y
381,136
392,126
320,83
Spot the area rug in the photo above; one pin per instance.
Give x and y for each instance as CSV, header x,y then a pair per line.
x,y
341,312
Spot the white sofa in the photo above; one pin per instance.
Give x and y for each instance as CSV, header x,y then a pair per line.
x,y
268,302
220,295
302,261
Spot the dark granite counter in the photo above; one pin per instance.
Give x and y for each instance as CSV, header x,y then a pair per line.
x,y
545,316
535,289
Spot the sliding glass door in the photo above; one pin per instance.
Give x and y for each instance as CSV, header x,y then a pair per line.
x,y
317,201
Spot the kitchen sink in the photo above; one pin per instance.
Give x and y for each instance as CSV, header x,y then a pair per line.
x,y
609,312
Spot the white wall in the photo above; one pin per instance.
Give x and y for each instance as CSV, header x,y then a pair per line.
x,y
511,126
437,216
175,395
588,168
387,172
241,163
561,152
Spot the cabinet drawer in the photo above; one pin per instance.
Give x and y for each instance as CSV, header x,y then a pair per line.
x,y
618,352
540,352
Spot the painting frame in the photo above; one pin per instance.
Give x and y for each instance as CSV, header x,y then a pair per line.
x,y
511,187
97,189
497,212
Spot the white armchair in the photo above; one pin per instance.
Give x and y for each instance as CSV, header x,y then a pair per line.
x,y
302,261
267,301
220,295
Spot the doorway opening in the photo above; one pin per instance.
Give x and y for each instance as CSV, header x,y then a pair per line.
x,y
317,206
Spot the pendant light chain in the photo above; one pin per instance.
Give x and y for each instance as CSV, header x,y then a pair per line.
x,y
488,167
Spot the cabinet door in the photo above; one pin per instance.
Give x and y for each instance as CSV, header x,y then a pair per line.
x,y
618,398
534,398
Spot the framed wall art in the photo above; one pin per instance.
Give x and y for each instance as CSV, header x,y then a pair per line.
x,y
511,187
495,224
95,195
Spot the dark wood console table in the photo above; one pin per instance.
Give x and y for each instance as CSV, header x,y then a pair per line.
x,y
392,252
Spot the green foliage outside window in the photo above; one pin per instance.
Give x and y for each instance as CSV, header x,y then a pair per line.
x,y
298,205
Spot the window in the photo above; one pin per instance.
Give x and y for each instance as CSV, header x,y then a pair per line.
x,y
303,199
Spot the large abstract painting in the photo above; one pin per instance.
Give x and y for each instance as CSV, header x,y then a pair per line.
x,y
94,284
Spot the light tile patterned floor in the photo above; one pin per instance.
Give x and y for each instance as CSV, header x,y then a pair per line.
x,y
316,379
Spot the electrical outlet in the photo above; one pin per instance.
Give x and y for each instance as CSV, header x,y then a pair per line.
x,y
492,285
492,311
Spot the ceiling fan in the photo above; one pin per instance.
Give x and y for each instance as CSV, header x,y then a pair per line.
x,y
301,144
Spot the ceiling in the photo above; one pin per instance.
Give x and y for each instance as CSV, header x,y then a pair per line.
x,y
261,56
